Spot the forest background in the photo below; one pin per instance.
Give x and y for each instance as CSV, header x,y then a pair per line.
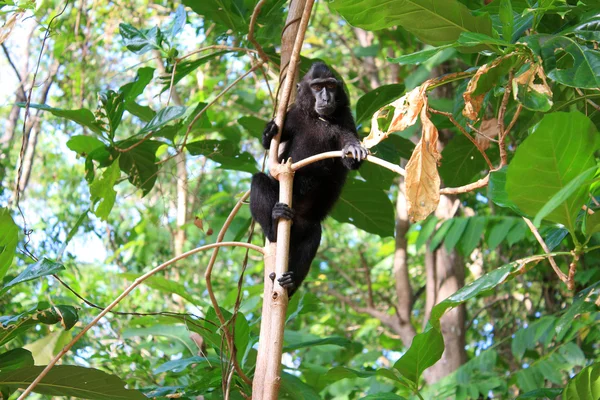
x,y
130,130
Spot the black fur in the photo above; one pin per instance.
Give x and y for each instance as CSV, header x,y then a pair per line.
x,y
317,186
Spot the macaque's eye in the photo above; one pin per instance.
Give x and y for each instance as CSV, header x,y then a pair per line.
x,y
331,85
318,87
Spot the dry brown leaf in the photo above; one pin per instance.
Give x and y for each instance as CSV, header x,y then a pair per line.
x,y
527,78
422,178
8,26
406,111
489,129
473,103
199,223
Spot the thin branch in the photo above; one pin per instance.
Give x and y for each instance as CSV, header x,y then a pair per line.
x,y
464,132
209,287
216,47
501,112
537,235
251,38
339,270
467,188
333,154
124,294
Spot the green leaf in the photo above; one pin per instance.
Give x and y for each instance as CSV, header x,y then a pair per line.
x,y
461,162
225,153
335,340
372,101
547,393
456,230
255,126
181,365
435,23
425,350
427,229
139,163
9,237
111,107
83,116
83,144
144,113
383,396
563,194
132,90
561,147
440,234
178,21
569,63
13,326
164,285
470,239
534,99
366,207
174,333
294,389
186,67
592,224
507,18
43,267
162,118
583,302
102,191
15,359
588,28
471,39
140,41
585,386
231,14
497,190
477,287
418,57
499,231
71,381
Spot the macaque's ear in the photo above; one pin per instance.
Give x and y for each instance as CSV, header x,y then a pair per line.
x,y
297,86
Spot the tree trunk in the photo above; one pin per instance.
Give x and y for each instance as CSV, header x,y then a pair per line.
x,y
448,276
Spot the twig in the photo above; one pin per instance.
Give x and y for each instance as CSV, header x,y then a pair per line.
x,y
535,232
209,288
501,112
491,139
590,102
464,132
333,154
467,188
251,38
124,294
572,270
215,47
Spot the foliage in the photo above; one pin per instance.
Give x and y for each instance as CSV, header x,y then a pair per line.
x,y
142,94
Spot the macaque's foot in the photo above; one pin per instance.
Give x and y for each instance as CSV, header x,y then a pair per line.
x,y
287,281
358,152
283,211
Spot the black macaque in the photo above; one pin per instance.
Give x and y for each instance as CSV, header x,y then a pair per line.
x,y
319,121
